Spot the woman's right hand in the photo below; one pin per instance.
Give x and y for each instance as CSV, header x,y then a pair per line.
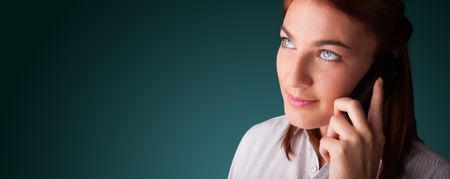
x,y
355,151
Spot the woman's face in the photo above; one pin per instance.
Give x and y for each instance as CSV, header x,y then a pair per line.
x,y
323,55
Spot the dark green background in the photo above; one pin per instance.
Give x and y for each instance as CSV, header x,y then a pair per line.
x,y
144,89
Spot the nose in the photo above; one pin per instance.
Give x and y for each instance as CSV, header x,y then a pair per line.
x,y
300,74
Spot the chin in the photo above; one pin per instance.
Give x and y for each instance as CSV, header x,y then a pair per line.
x,y
304,121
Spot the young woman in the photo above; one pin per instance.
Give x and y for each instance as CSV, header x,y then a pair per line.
x,y
327,47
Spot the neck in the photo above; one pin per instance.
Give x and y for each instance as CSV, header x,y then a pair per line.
x,y
316,144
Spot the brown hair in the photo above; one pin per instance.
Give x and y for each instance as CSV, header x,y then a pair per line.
x,y
392,29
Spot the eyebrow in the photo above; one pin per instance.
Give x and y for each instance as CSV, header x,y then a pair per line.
x,y
320,42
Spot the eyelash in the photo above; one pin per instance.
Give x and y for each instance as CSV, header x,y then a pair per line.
x,y
318,54
282,40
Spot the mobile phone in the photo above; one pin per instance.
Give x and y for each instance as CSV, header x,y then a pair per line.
x,y
385,66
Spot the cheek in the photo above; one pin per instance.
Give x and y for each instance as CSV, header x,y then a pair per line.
x,y
327,90
333,84
282,67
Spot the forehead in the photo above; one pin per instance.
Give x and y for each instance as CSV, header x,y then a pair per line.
x,y
309,20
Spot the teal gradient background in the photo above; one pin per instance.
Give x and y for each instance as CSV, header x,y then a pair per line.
x,y
166,89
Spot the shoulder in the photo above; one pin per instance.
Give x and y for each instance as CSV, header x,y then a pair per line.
x,y
257,145
425,163
263,136
275,123
269,127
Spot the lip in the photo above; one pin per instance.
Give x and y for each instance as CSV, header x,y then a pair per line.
x,y
299,102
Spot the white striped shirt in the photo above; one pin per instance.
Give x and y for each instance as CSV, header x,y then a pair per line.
x,y
260,155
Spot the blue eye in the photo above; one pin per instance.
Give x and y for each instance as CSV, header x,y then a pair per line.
x,y
328,55
287,43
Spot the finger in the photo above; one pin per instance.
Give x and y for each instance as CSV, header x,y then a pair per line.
x,y
375,116
354,110
324,151
329,147
340,129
